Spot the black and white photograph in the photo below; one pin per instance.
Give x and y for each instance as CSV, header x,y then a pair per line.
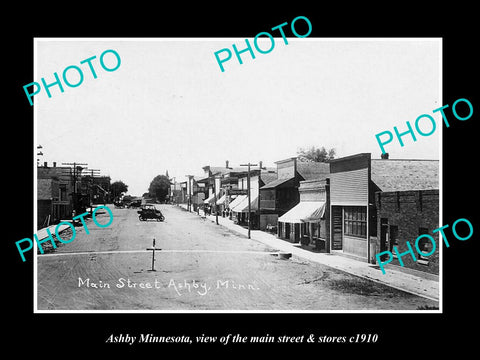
x,y
261,187
220,179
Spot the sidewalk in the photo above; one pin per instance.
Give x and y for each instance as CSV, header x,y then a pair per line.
x,y
42,233
424,285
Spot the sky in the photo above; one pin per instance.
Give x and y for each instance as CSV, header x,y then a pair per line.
x,y
169,107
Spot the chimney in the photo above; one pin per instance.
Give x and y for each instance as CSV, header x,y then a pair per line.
x,y
260,165
54,164
384,155
45,164
226,164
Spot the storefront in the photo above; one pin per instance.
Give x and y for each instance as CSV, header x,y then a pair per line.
x,y
350,213
308,220
354,180
242,214
233,204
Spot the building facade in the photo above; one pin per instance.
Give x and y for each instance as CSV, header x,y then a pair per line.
x,y
281,195
403,216
308,221
55,194
354,181
241,212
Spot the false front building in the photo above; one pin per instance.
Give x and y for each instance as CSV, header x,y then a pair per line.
x,y
282,194
308,221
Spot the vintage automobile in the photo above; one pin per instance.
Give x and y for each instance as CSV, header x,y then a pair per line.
x,y
149,211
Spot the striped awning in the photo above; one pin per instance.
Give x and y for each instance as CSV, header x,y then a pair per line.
x,y
221,201
210,199
237,201
243,206
305,211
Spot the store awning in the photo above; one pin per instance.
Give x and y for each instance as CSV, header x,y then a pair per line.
x,y
305,211
243,206
210,199
221,201
237,201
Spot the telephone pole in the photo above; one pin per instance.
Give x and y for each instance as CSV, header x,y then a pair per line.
x,y
215,198
74,178
190,190
90,190
248,195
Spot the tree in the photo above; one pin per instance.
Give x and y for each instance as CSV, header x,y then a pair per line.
x,y
159,187
118,188
313,154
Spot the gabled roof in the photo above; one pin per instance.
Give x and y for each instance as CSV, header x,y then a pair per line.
x,y
402,175
313,170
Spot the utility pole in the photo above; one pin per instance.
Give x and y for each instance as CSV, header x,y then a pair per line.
x,y
248,195
90,191
215,198
172,192
75,166
190,190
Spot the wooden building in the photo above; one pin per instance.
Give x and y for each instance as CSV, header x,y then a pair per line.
x,y
281,195
308,221
54,194
239,208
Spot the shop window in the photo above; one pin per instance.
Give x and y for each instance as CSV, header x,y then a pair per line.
x,y
355,221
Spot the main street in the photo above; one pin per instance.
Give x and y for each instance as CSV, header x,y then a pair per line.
x,y
201,266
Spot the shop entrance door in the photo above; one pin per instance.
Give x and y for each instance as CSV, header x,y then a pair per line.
x,y
337,228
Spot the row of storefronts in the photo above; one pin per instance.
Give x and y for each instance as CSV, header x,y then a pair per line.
x,y
355,206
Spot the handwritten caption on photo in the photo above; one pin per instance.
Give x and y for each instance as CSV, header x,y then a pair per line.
x,y
57,232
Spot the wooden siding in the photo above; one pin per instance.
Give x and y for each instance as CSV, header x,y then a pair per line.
x,y
349,187
267,204
313,196
312,190
355,246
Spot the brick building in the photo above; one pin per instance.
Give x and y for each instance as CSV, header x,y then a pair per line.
x,y
403,216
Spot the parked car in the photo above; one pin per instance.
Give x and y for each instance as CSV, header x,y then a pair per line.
x,y
149,211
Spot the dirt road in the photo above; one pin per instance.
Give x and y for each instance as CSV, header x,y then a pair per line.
x,y
201,266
